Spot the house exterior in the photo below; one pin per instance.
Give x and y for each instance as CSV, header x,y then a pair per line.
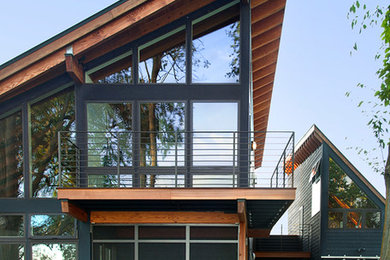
x,y
140,133
337,212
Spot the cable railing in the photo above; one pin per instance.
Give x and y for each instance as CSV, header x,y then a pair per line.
x,y
146,159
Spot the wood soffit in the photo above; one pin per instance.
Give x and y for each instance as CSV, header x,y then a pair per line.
x,y
175,194
313,140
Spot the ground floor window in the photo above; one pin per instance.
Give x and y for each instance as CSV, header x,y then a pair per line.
x,y
174,242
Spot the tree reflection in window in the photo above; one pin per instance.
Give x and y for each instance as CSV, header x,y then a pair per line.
x,y
343,192
163,60
48,117
162,125
115,71
11,156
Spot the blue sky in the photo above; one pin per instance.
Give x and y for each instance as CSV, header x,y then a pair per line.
x,y
315,68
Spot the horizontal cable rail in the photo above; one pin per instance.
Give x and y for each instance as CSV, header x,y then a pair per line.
x,y
176,159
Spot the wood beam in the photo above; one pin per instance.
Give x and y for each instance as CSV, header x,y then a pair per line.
x,y
162,217
175,194
259,233
242,216
74,69
74,211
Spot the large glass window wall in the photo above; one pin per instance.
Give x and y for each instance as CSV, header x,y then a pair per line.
x,y
349,206
191,242
205,49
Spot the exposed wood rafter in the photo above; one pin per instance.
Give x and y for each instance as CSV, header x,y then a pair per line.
x,y
74,211
74,69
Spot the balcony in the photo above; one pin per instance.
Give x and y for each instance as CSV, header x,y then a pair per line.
x,y
208,159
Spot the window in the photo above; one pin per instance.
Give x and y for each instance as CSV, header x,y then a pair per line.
x,y
11,226
60,251
59,226
110,141
163,59
349,206
161,142
216,46
14,251
115,71
165,242
215,143
11,156
48,117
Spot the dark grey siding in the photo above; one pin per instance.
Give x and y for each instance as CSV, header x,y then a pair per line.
x,y
365,242
310,230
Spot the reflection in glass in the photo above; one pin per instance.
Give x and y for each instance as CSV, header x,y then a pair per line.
x,y
169,232
11,226
163,60
373,220
109,134
48,117
51,251
214,143
11,156
161,251
113,251
354,220
216,47
53,225
113,232
213,251
335,219
343,192
162,138
214,233
12,251
116,71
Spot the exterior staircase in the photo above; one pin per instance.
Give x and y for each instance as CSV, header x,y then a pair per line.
x,y
280,247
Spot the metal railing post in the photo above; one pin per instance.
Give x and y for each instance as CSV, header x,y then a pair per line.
x,y
175,159
234,159
118,161
59,160
284,169
293,162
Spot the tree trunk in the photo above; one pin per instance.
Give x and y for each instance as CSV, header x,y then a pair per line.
x,y
153,147
385,249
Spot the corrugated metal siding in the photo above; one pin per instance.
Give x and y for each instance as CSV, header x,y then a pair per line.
x,y
312,228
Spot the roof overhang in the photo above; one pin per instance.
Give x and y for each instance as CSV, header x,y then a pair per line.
x,y
264,206
312,140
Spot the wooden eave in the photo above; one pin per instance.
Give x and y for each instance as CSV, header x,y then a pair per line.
x,y
266,21
124,23
313,139
175,194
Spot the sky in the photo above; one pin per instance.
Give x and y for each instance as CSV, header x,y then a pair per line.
x,y
314,71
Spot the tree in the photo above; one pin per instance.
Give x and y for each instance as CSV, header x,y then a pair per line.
x,y
379,121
